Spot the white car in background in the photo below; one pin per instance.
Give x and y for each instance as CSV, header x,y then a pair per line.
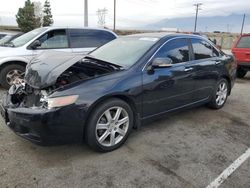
x,y
15,55
9,37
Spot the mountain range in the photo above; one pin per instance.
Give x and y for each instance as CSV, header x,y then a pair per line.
x,y
230,23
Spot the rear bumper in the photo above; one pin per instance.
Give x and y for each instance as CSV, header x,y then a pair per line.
x,y
43,126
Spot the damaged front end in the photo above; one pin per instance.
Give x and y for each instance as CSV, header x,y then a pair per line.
x,y
31,112
51,71
23,95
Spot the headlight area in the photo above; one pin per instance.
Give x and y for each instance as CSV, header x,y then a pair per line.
x,y
61,101
21,95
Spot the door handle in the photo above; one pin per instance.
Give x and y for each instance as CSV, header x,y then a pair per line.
x,y
217,62
188,69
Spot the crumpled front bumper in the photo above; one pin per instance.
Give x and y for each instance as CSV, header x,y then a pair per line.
x,y
45,126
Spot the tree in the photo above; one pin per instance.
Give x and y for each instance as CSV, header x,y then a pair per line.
x,y
26,18
47,18
38,11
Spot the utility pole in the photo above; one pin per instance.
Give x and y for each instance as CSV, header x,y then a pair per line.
x,y
197,5
86,13
114,15
243,23
228,28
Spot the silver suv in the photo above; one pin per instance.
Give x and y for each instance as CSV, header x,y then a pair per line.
x,y
15,55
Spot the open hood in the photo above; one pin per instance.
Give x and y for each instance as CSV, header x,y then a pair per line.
x,y
52,70
44,70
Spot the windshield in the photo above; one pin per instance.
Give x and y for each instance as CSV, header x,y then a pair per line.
x,y
5,39
20,41
124,51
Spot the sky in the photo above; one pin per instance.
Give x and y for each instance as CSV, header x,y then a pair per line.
x,y
130,13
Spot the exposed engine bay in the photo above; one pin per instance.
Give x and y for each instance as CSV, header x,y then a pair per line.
x,y
24,94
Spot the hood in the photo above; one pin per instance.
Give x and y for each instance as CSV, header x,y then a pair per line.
x,y
44,70
6,51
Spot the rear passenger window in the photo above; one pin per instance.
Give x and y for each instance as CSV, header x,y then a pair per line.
x,y
177,50
244,42
89,38
203,50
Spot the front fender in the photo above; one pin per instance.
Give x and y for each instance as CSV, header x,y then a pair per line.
x,y
125,85
25,59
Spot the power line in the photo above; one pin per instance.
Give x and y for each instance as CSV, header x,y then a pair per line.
x,y
197,5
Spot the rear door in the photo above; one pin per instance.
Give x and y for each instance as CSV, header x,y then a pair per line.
x,y
207,62
83,41
242,50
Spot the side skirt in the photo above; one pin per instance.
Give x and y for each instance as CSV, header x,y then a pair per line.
x,y
175,110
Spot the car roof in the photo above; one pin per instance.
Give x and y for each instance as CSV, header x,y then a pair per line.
x,y
71,27
9,33
163,35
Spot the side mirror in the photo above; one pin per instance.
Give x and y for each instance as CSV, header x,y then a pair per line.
x,y
35,44
162,62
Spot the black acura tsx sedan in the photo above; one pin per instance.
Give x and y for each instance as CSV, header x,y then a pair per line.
x,y
102,96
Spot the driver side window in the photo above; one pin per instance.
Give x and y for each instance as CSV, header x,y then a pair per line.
x,y
177,50
55,39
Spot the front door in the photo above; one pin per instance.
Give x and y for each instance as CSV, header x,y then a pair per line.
x,y
169,88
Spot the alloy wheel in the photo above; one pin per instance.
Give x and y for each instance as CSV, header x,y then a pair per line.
x,y
112,126
221,94
13,75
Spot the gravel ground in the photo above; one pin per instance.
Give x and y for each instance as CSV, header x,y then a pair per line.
x,y
189,149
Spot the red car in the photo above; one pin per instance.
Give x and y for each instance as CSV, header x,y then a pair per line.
x,y
241,51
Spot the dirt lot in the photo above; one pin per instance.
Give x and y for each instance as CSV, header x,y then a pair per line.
x,y
189,149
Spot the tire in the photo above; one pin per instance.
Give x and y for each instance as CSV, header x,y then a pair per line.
x,y
9,69
241,73
220,95
99,130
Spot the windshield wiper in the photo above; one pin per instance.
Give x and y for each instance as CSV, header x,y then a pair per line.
x,y
105,63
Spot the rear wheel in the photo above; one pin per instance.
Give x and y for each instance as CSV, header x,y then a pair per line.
x,y
220,94
109,125
241,72
10,73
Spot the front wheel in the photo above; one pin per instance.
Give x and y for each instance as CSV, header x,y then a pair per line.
x,y
220,94
109,125
10,73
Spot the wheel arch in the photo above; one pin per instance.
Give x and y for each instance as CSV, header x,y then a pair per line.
x,y
122,97
22,63
229,83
